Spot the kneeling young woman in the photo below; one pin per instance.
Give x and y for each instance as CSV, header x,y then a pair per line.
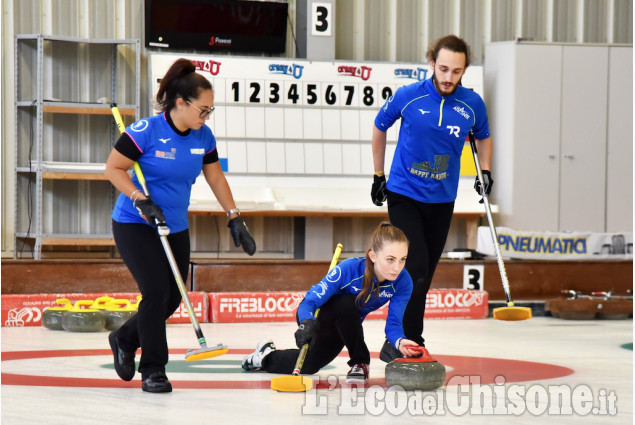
x,y
344,297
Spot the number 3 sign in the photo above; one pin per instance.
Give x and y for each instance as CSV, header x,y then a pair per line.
x,y
322,19
473,276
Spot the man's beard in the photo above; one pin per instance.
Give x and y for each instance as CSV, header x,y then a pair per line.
x,y
438,86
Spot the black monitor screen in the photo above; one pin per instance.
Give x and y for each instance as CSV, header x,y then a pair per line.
x,y
217,25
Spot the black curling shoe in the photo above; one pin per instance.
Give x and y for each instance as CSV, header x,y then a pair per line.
x,y
389,353
156,382
124,361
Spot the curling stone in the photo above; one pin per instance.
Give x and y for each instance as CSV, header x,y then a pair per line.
x,y
79,319
102,303
572,308
420,373
136,305
52,316
615,309
117,313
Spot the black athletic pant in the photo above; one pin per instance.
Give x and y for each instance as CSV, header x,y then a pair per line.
x,y
340,325
426,226
143,253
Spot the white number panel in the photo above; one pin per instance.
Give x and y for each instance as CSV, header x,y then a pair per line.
x,y
298,116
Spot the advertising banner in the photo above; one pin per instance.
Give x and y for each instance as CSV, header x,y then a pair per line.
x,y
26,310
556,246
235,307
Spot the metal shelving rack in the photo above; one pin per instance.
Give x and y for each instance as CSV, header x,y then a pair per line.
x,y
63,89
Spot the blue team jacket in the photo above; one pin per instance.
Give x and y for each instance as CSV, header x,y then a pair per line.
x,y
346,278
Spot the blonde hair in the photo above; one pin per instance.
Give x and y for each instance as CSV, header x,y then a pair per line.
x,y
383,234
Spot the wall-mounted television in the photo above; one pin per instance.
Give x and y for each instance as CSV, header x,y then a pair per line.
x,y
216,25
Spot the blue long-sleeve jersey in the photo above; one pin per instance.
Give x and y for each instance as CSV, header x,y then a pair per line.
x,y
347,278
427,159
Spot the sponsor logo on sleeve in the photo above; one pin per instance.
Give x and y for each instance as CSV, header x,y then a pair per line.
x,y
139,125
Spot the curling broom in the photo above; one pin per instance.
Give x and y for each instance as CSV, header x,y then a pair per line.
x,y
511,312
297,383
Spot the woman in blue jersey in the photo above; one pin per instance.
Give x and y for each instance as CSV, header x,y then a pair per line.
x,y
436,116
351,290
172,149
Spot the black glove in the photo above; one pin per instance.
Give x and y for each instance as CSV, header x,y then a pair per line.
x,y
241,234
378,191
150,211
306,332
487,177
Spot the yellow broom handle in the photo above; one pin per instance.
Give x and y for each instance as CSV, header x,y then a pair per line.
x,y
336,255
305,347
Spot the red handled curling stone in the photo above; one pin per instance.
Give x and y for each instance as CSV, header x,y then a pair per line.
x,y
421,373
52,316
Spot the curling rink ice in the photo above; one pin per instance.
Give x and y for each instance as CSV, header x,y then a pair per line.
x,y
543,370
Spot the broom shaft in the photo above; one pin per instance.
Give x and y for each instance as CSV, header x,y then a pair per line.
x,y
175,268
184,295
305,347
490,221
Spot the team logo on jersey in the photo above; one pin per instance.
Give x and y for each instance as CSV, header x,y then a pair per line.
x,y
139,125
440,164
334,275
462,112
438,171
166,155
387,102
323,286
385,294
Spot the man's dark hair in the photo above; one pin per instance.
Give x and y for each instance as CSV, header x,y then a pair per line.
x,y
452,43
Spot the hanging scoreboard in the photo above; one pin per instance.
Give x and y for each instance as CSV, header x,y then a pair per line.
x,y
290,116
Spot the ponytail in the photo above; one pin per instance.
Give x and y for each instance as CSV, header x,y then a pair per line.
x,y
385,233
181,80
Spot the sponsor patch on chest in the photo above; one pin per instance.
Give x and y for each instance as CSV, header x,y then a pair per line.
x,y
167,155
462,112
197,151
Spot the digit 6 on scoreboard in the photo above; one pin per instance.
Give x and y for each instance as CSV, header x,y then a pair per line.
x,y
330,94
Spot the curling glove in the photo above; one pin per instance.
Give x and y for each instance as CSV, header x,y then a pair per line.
x,y
241,235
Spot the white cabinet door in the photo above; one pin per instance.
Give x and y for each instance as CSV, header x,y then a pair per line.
x,y
619,173
583,138
537,137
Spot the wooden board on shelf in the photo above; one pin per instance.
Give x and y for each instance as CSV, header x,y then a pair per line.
x,y
51,175
86,110
65,241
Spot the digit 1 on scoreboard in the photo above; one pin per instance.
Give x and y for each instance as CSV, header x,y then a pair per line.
x,y
236,90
